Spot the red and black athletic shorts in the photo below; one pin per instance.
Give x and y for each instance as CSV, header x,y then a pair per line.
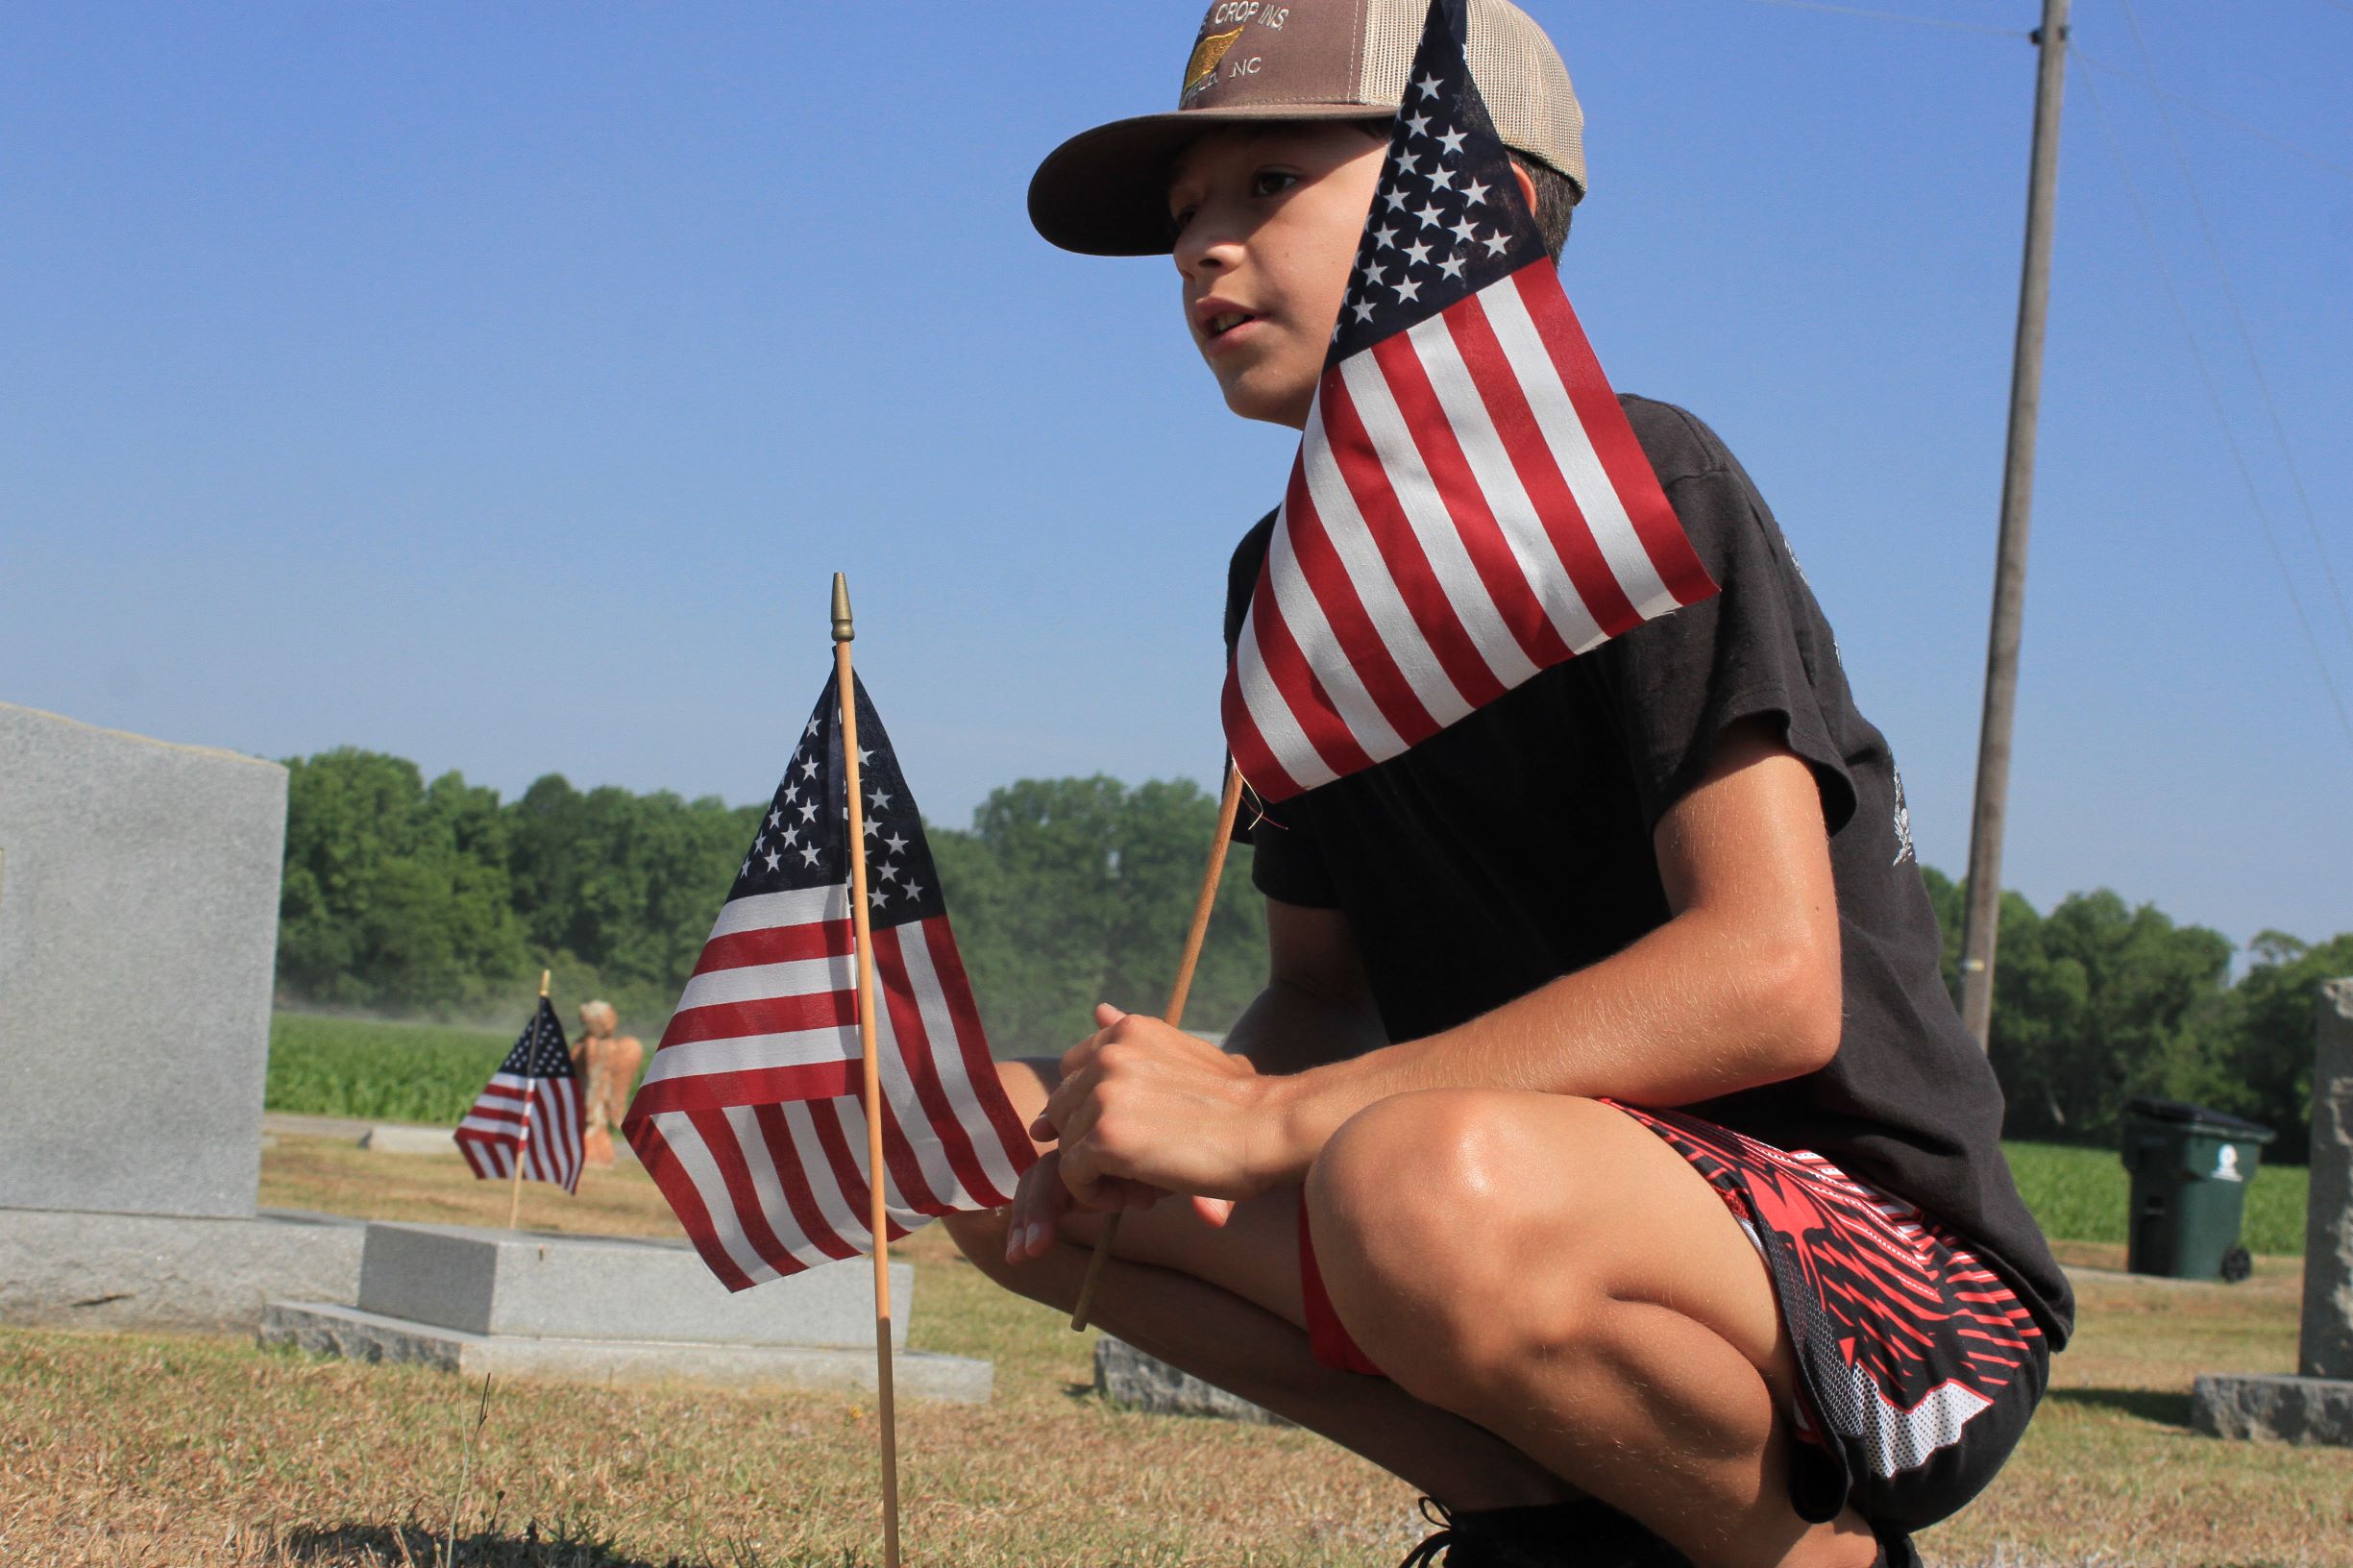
x,y
1917,1366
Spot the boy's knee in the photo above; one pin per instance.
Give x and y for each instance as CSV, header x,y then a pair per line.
x,y
1433,1216
1421,1181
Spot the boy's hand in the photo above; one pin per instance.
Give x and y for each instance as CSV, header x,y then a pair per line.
x,y
1145,1109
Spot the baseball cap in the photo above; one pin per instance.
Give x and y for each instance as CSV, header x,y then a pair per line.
x,y
1104,192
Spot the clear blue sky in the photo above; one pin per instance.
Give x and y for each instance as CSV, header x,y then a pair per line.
x,y
498,386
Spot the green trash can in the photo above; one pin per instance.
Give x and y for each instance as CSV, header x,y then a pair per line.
x,y
2190,1169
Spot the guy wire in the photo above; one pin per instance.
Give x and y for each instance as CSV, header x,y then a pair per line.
x,y
2214,395
1896,16
2238,317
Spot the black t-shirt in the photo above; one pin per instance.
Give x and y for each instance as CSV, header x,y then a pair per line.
x,y
1514,847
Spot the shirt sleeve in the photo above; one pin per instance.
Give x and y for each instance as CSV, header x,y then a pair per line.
x,y
1755,649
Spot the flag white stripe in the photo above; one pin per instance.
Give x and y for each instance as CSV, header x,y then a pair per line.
x,y
764,982
760,1159
1425,510
795,906
940,1027
692,1159
1498,479
914,1123
1276,724
1368,572
832,1203
751,1053
488,1160
563,1095
1295,599
1572,448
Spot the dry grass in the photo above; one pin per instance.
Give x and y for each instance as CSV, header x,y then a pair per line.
x,y
203,1452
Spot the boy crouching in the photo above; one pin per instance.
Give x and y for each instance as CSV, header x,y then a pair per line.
x,y
1604,1156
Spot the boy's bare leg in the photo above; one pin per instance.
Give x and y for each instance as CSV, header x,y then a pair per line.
x,y
1224,1306
1548,1268
1652,1370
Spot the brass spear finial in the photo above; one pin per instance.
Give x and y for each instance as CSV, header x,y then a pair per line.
x,y
842,630
544,976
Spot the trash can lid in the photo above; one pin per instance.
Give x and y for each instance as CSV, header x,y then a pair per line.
x,y
2198,1115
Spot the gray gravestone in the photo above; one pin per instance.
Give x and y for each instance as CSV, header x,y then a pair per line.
x,y
1128,1376
608,1308
2326,1347
139,931
2315,1406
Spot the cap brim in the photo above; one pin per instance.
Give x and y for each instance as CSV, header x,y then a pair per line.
x,y
1105,191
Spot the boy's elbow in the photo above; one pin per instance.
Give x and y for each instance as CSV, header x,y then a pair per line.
x,y
1802,1003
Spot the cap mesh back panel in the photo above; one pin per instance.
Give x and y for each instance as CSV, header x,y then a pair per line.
x,y
1519,73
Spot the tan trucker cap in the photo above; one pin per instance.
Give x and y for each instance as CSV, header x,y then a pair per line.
x,y
1104,192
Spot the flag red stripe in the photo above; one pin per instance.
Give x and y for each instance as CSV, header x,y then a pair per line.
x,y
752,1086
914,1048
1418,581
973,1045
766,1016
1629,472
848,1176
565,1110
1510,601
728,1153
777,944
899,1157
1367,651
1286,666
1539,473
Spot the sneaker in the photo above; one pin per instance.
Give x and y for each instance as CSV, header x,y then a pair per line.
x,y
1587,1533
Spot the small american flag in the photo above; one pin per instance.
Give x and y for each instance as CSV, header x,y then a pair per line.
x,y
1469,504
750,1117
530,1110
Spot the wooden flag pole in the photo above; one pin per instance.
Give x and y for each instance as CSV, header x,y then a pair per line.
x,y
1229,806
877,1216
522,1139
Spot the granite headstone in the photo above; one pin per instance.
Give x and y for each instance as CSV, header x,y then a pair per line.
x,y
139,931
2316,1404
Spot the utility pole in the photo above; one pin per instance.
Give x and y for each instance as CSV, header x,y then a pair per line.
x,y
1984,908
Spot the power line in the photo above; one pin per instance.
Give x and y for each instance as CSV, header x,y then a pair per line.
x,y
2225,116
2214,395
2247,338
1894,17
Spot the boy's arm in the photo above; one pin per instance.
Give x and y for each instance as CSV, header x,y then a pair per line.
x,y
1316,1008
1739,988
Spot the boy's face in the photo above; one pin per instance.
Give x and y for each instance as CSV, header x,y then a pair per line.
x,y
1268,217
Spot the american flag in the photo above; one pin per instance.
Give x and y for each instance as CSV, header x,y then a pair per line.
x,y
1469,504
750,1117
530,1110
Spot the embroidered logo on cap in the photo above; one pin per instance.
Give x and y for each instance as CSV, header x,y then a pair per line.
x,y
1202,70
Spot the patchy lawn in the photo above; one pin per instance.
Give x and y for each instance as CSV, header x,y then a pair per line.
x,y
186,1452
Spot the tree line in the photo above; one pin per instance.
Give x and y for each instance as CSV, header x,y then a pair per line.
x,y
439,899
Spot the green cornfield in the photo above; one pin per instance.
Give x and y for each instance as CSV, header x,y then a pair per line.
x,y
2083,1194
329,1066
